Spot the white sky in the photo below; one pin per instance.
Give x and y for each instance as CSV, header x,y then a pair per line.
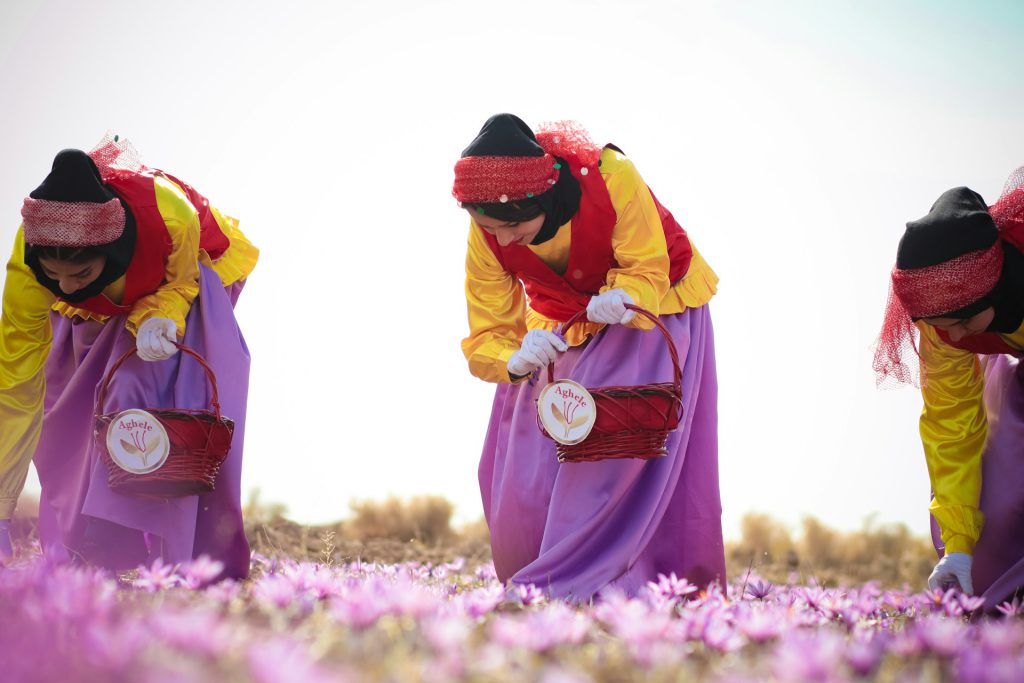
x,y
792,139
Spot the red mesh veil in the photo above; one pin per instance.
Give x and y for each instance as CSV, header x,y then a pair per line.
x,y
567,139
934,290
115,154
1014,182
1008,212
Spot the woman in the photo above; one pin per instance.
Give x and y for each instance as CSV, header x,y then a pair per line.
x,y
558,226
958,285
112,255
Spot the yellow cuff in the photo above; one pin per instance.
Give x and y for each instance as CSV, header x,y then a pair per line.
x,y
960,544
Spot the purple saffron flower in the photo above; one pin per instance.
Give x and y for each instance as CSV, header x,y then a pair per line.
x,y
481,601
970,603
201,572
486,572
1011,609
529,595
672,586
276,591
759,590
158,577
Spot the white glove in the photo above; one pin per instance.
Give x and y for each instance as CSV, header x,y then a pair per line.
x,y
155,340
610,308
952,568
539,348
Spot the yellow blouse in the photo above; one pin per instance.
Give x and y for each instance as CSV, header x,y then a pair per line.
x,y
25,333
499,315
954,428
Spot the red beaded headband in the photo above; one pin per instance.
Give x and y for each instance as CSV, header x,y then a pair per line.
x,y
490,180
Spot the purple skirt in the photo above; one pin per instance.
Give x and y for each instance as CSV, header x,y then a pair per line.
x,y
80,518
998,568
576,528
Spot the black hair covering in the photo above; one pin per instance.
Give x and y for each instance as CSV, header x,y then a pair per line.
x,y
959,223
507,135
75,178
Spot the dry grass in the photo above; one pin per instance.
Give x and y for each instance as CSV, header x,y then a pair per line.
x,y
420,530
394,530
887,553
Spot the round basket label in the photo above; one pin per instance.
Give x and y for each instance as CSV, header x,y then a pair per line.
x,y
137,442
567,411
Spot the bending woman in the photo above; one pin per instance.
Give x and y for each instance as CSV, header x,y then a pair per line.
x,y
958,286
113,255
558,226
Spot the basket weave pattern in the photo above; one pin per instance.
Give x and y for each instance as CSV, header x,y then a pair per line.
x,y
199,444
632,421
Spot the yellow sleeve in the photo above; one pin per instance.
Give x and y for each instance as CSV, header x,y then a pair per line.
x,y
638,239
25,338
496,304
953,428
239,259
238,262
181,280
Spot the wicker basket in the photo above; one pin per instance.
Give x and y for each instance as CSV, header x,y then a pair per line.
x,y
199,441
633,421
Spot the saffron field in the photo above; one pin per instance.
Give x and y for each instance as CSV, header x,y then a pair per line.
x,y
335,618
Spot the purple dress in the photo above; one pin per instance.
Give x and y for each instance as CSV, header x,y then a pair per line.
x,y
574,529
998,567
80,518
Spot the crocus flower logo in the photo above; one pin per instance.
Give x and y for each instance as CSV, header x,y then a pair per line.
x,y
137,442
567,411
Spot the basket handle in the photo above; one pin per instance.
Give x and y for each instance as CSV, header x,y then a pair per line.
x,y
677,374
181,347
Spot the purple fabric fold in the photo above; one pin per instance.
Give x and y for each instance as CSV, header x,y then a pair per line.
x,y
80,518
998,567
577,528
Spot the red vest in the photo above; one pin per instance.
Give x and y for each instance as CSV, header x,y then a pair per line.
x,y
559,297
153,244
1011,229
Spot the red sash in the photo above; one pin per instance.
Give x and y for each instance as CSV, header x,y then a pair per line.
x,y
591,256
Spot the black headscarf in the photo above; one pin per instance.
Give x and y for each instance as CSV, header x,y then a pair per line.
x,y
507,135
75,178
959,223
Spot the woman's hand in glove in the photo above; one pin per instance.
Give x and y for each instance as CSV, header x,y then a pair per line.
x,y
610,308
155,340
952,568
539,348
